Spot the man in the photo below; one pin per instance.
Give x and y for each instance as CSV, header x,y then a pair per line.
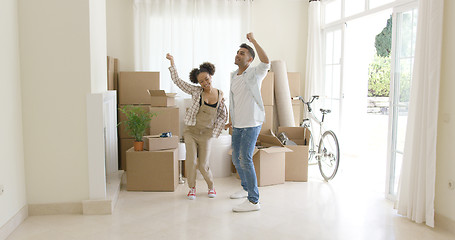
x,y
247,115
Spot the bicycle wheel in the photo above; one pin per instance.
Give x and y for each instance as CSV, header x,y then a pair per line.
x,y
328,155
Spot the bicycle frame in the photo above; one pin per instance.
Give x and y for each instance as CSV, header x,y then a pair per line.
x,y
325,149
316,137
307,123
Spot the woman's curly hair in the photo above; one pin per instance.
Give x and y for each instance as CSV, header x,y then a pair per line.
x,y
204,67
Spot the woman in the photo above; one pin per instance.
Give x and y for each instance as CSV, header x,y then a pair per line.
x,y
204,119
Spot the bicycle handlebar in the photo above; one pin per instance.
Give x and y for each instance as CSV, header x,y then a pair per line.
x,y
301,98
307,103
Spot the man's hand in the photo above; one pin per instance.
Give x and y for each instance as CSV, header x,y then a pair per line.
x,y
250,37
261,53
170,58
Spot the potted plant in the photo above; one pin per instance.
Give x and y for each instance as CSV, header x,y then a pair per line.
x,y
137,121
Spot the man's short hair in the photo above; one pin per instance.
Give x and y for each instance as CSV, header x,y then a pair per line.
x,y
250,49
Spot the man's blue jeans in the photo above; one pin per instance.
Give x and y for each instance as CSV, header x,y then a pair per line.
x,y
243,143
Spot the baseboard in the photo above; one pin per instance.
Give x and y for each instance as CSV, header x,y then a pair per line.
x,y
114,184
97,207
13,223
444,222
55,208
86,207
105,206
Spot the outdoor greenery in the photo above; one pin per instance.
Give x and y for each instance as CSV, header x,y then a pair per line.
x,y
379,69
379,77
137,121
383,41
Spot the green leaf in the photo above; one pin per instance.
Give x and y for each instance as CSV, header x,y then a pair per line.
x,y
379,77
137,121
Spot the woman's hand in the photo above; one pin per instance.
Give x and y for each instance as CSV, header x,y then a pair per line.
x,y
170,58
229,125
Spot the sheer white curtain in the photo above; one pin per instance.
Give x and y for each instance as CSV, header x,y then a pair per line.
x,y
416,188
194,31
313,76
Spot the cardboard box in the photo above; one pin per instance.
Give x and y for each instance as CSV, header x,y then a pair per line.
x,y
110,73
122,133
124,145
294,84
132,86
269,162
268,123
166,120
297,160
296,108
159,98
116,74
152,170
267,89
155,142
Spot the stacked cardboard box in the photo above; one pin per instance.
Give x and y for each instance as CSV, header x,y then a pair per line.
x,y
297,160
155,168
110,73
276,163
132,90
152,170
269,160
268,98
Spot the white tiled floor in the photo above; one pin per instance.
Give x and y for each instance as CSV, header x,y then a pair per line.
x,y
352,206
342,209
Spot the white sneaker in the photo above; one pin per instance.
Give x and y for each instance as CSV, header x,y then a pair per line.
x,y
212,193
240,194
247,206
192,194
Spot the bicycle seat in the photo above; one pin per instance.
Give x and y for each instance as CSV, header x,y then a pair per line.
x,y
324,111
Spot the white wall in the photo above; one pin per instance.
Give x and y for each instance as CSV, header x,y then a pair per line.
x,y
120,32
281,27
12,175
276,25
445,161
98,51
55,73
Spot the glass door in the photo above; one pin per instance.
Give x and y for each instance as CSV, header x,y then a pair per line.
x,y
333,76
403,45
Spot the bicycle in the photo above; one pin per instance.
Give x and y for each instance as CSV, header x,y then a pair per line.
x,y
328,150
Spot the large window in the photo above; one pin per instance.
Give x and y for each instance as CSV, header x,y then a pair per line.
x,y
333,75
335,15
332,11
338,10
403,54
378,3
353,7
